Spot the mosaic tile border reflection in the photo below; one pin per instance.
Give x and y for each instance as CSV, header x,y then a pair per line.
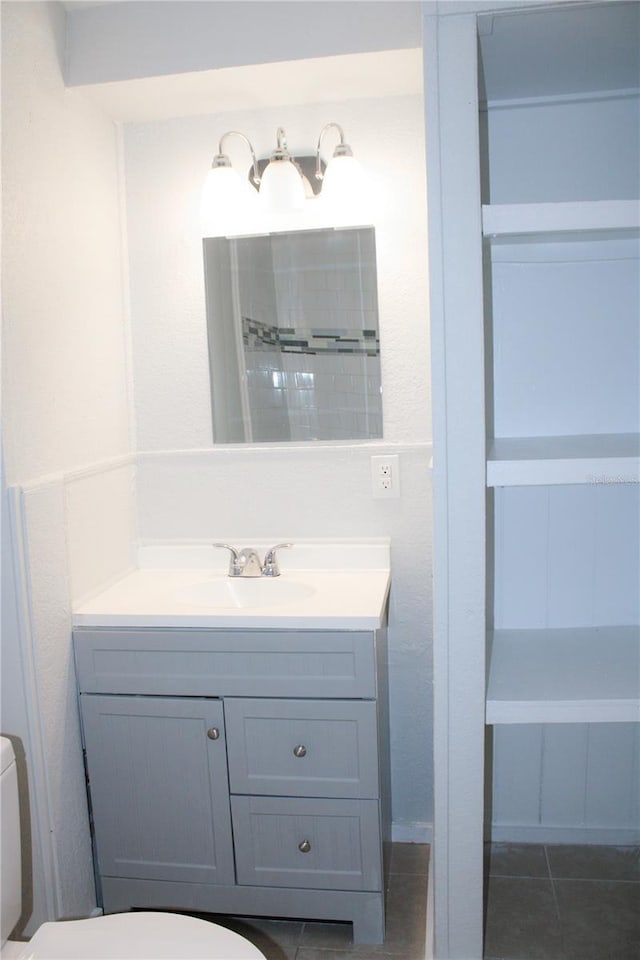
x,y
257,336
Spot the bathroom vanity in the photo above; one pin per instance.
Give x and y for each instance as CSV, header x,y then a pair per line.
x,y
237,759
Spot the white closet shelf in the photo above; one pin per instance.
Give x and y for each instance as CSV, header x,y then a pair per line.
x,y
588,458
552,220
569,675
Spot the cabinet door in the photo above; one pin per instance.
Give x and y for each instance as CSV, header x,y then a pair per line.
x,y
303,748
159,788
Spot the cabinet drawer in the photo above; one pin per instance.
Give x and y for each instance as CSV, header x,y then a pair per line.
x,y
302,748
237,663
291,842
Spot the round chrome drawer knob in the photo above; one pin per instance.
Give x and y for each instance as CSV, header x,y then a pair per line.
x,y
304,847
213,733
300,750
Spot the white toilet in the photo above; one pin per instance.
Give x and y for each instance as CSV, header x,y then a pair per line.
x,y
119,936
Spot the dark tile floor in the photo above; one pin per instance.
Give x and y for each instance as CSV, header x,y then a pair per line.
x,y
548,902
561,902
406,919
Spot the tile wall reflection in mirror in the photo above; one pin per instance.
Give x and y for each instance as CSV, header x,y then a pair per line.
x,y
294,345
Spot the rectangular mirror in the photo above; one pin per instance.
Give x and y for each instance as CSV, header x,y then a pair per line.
x,y
294,346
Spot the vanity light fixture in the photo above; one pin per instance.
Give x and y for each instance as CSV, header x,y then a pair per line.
x,y
282,185
281,181
343,173
225,193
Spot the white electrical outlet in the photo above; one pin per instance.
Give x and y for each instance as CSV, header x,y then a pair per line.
x,y
385,477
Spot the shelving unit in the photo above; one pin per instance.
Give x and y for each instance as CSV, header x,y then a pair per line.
x,y
585,458
549,221
585,675
563,375
535,312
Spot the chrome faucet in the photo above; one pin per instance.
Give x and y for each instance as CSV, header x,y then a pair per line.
x,y
246,562
270,566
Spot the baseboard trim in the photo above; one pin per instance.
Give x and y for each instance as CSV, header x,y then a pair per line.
x,y
412,831
539,833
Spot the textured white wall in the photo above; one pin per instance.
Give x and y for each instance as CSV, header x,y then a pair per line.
x,y
188,489
65,406
64,380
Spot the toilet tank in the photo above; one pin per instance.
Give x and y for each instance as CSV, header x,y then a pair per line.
x,y
10,861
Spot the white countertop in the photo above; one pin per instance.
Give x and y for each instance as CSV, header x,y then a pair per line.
x,y
351,596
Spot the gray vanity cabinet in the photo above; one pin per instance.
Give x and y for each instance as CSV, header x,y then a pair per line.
x,y
239,772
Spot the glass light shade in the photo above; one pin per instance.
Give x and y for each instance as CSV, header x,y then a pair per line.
x,y
343,184
227,201
281,187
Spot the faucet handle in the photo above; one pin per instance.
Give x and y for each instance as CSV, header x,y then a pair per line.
x,y
270,566
234,561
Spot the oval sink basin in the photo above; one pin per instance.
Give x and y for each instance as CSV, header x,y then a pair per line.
x,y
244,593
